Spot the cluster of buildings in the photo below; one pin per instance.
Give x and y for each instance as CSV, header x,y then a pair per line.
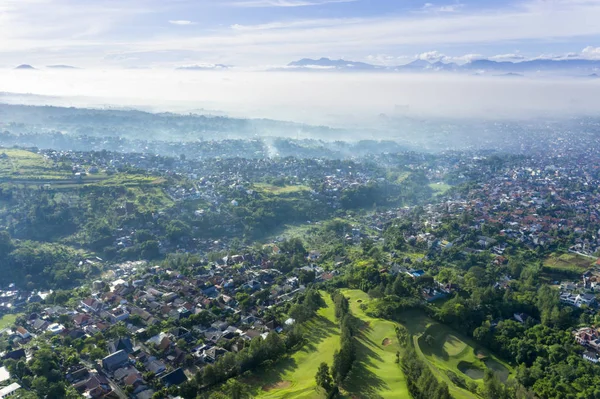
x,y
143,298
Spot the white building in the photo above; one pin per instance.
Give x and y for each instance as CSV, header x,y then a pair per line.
x,y
9,391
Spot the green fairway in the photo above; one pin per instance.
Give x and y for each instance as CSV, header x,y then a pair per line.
x,y
294,377
375,373
451,354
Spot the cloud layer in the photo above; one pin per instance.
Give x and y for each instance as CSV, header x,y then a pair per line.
x,y
330,98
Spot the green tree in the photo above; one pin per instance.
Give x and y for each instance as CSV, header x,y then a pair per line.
x,y
323,377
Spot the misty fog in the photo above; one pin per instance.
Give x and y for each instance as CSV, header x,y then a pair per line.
x,y
336,99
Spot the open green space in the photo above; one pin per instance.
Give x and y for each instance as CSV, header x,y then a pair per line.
x,y
8,320
294,376
452,357
22,164
279,190
450,354
568,262
375,373
440,187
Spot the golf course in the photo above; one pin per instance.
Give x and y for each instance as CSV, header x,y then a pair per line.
x,y
453,358
375,373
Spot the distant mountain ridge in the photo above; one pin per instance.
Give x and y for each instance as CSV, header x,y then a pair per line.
x,y
207,67
578,66
61,67
25,67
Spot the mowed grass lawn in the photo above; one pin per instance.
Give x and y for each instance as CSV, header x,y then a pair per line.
x,y
8,320
294,377
375,373
451,351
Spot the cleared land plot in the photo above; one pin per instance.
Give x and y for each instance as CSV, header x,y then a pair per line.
x,y
22,164
568,262
280,190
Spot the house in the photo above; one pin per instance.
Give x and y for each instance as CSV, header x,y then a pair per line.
x,y
415,273
313,256
78,375
175,377
212,354
591,357
118,314
55,328
133,379
432,294
23,333
146,394
93,385
9,391
40,325
115,361
15,355
4,374
577,300
155,366
586,299
180,333
91,305
82,319
120,344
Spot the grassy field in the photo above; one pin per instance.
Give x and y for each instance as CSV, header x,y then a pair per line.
x,y
451,352
440,188
568,262
452,357
21,164
294,377
375,373
279,190
8,320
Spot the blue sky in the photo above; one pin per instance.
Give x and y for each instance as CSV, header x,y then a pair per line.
x,y
259,33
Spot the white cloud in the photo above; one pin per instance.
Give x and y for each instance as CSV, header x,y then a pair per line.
x,y
435,56
314,23
181,22
467,58
508,57
431,56
287,3
591,52
383,59
430,7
